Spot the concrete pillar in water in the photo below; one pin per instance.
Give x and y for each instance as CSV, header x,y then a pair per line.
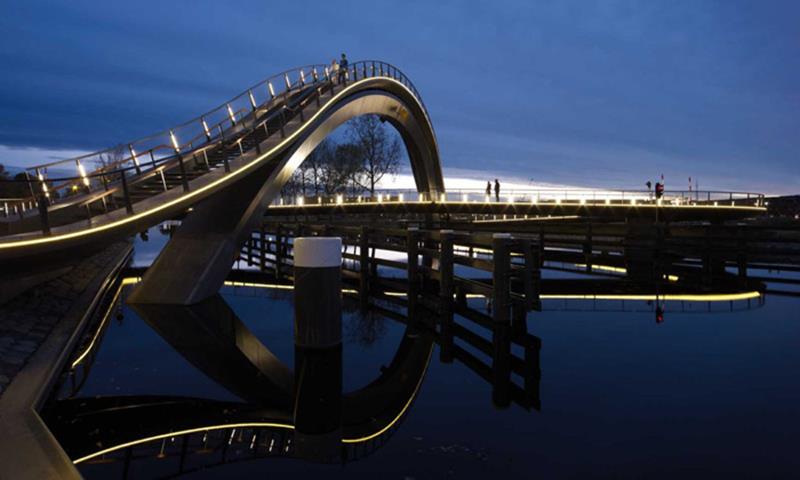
x,y
318,348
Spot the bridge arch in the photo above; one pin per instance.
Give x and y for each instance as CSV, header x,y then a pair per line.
x,y
405,114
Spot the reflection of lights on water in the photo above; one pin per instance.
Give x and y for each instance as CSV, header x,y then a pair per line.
x,y
178,433
609,268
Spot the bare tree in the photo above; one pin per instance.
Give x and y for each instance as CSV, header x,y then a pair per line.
x,y
379,150
318,164
108,161
344,170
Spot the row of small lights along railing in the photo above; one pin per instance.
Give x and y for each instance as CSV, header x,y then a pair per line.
x,y
204,134
146,153
580,197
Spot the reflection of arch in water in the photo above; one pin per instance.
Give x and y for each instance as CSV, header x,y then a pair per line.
x,y
213,339
113,426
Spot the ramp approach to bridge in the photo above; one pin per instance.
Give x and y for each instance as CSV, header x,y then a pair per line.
x,y
220,173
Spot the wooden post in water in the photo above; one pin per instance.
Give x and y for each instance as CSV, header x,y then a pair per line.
x,y
501,299
741,256
412,266
262,249
587,248
501,316
363,280
532,370
278,252
446,294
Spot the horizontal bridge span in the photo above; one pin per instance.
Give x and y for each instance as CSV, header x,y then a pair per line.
x,y
554,208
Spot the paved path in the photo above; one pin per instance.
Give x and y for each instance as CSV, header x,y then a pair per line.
x,y
26,320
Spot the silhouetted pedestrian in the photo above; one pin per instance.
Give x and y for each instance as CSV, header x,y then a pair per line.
x,y
488,190
496,190
343,68
659,190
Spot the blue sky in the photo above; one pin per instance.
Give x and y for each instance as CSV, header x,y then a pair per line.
x,y
604,94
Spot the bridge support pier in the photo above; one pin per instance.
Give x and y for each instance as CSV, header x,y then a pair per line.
x,y
193,265
318,348
501,316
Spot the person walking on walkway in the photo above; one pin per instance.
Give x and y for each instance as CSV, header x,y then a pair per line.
x,y
488,190
334,71
497,190
343,68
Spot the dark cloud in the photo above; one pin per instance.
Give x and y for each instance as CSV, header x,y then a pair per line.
x,y
610,91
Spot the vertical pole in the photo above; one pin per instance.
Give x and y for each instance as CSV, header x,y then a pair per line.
x,y
532,273
250,242
184,180
262,251
412,247
533,372
501,331
318,348
128,206
278,246
363,265
446,294
587,248
501,299
44,215
741,257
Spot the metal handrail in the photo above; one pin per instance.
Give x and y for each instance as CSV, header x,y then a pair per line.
x,y
543,195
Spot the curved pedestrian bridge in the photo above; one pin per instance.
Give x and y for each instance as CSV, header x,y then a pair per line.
x,y
233,159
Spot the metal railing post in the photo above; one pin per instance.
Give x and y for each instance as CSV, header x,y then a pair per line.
x,y
44,214
128,206
184,180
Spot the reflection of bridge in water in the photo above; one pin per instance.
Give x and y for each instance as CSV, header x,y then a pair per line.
x,y
110,434
216,342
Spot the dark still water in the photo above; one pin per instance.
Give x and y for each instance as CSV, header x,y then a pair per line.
x,y
712,391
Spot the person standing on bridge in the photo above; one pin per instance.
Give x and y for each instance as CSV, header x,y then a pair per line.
x,y
334,75
497,190
343,68
488,190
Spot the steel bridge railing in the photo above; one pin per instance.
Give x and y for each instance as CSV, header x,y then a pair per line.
x,y
548,195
